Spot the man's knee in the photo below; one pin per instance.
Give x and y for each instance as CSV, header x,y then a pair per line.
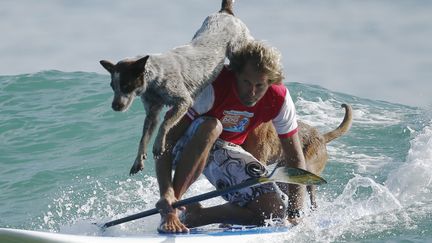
x,y
210,127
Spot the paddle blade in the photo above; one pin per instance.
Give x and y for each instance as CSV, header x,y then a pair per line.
x,y
296,176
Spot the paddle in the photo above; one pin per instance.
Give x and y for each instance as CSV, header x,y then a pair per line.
x,y
280,174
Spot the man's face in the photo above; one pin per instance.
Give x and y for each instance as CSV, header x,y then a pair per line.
x,y
251,85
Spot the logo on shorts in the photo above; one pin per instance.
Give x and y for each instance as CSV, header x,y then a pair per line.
x,y
236,121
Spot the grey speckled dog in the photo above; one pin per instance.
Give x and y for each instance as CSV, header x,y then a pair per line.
x,y
176,77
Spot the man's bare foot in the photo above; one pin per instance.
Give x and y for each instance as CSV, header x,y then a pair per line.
x,y
170,223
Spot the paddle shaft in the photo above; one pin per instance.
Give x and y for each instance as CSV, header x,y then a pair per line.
x,y
195,199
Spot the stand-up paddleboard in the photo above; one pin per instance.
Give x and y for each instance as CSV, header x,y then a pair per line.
x,y
196,235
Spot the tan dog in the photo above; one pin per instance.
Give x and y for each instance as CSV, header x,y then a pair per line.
x,y
264,144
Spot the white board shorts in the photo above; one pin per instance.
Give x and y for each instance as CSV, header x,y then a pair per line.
x,y
229,164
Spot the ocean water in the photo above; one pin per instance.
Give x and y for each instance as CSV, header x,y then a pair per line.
x,y
65,157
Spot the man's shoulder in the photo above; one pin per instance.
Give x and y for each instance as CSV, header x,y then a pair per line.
x,y
272,102
276,95
278,90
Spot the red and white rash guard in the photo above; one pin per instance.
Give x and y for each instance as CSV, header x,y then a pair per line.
x,y
220,100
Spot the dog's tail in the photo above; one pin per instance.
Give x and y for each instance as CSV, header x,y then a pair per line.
x,y
343,127
227,7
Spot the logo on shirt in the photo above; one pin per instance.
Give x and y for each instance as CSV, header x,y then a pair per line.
x,y
236,121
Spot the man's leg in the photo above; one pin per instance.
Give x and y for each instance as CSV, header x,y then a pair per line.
x,y
188,168
194,155
266,206
169,220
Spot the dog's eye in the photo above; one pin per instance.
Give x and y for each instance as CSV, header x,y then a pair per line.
x,y
127,88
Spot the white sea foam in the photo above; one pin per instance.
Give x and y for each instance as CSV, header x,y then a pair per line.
x,y
328,114
412,182
105,201
320,114
364,163
367,207
365,114
113,200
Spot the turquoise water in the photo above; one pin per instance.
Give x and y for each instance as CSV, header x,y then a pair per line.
x,y
65,157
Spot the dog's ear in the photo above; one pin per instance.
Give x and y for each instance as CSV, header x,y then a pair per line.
x,y
140,63
107,65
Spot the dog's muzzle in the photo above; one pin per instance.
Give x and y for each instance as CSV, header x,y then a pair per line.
x,y
117,106
121,103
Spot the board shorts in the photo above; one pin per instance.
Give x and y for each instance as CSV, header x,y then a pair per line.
x,y
229,164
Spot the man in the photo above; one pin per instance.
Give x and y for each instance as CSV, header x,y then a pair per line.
x,y
245,94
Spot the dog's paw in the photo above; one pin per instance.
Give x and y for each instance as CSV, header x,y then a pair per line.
x,y
138,165
158,150
156,157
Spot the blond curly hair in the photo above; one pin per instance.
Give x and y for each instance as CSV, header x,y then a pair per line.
x,y
266,58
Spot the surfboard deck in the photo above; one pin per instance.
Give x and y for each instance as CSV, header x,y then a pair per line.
x,y
235,234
